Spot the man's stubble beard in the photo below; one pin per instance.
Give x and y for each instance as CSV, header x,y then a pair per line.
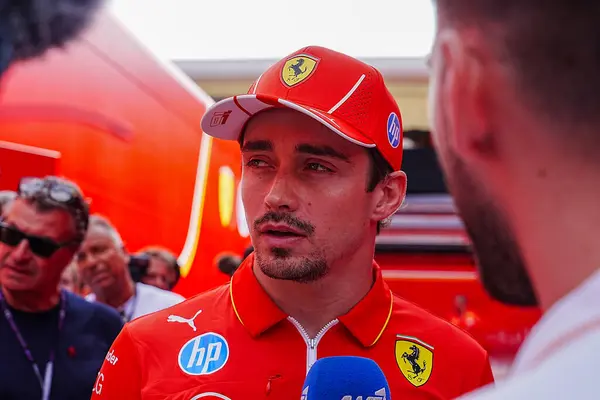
x,y
284,266
280,263
500,263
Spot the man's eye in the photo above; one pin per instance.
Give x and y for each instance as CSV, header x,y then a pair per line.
x,y
317,167
256,163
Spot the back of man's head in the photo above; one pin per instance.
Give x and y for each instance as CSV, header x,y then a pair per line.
x,y
551,49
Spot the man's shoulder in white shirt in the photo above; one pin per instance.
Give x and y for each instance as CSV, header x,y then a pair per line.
x,y
570,373
560,357
151,295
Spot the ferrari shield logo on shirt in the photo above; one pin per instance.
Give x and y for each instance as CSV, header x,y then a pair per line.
x,y
297,69
204,355
414,358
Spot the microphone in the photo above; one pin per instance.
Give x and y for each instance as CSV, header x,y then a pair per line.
x,y
28,28
345,378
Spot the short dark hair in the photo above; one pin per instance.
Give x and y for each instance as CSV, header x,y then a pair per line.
x,y
164,255
379,169
552,48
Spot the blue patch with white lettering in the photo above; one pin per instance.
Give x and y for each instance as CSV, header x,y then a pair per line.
x,y
203,355
393,130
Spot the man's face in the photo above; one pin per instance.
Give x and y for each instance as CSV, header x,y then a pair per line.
x,y
304,192
68,279
20,268
501,265
159,274
102,262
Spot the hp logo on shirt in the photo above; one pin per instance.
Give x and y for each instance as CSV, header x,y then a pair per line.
x,y
203,355
393,130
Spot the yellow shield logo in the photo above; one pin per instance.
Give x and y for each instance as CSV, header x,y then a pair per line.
x,y
298,69
414,358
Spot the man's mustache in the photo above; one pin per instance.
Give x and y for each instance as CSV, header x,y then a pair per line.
x,y
288,219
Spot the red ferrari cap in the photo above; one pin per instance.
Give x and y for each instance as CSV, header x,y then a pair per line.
x,y
343,93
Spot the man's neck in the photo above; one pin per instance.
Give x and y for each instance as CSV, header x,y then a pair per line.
x,y
119,293
316,304
30,301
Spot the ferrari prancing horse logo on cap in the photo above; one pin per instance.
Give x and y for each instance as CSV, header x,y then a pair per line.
x,y
414,358
297,69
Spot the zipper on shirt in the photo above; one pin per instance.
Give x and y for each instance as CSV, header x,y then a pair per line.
x,y
311,343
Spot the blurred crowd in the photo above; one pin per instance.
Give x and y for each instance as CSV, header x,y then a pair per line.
x,y
59,265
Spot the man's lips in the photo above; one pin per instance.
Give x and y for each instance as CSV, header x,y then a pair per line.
x,y
278,229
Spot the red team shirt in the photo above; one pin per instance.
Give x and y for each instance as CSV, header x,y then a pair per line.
x,y
234,343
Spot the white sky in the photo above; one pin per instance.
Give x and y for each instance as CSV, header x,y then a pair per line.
x,y
226,29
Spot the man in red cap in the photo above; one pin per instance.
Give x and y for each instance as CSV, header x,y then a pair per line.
x,y
321,143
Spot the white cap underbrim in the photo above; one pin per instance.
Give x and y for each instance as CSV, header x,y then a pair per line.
x,y
226,119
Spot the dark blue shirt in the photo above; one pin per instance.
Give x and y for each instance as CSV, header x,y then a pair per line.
x,y
89,330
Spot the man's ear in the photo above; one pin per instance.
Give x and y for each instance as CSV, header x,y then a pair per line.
x,y
464,90
390,194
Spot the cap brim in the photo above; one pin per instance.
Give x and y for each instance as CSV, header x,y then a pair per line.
x,y
226,119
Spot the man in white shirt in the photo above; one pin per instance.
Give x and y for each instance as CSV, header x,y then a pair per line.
x,y
103,265
514,104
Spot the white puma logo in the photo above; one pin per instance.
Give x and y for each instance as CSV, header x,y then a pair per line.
x,y
190,322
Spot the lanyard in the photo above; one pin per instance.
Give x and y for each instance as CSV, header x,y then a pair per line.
x,y
46,382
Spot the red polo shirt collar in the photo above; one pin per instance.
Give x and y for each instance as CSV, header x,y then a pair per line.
x,y
255,310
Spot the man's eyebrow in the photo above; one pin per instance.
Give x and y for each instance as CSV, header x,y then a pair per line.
x,y
321,151
257,145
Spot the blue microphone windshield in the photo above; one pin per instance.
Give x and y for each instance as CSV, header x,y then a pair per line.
x,y
345,378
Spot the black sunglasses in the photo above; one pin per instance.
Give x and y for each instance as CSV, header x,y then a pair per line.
x,y
40,246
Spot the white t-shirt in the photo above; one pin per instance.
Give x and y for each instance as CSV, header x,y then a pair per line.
x,y
560,359
147,299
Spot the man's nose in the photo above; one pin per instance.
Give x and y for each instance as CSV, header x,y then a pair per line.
x,y
22,252
282,194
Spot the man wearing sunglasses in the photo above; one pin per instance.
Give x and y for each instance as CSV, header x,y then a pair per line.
x,y
52,342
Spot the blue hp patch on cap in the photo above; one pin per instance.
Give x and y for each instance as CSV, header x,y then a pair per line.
x,y
393,130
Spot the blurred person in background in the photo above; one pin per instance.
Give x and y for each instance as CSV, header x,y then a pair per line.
x,y
228,263
514,106
52,342
69,279
103,264
163,270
